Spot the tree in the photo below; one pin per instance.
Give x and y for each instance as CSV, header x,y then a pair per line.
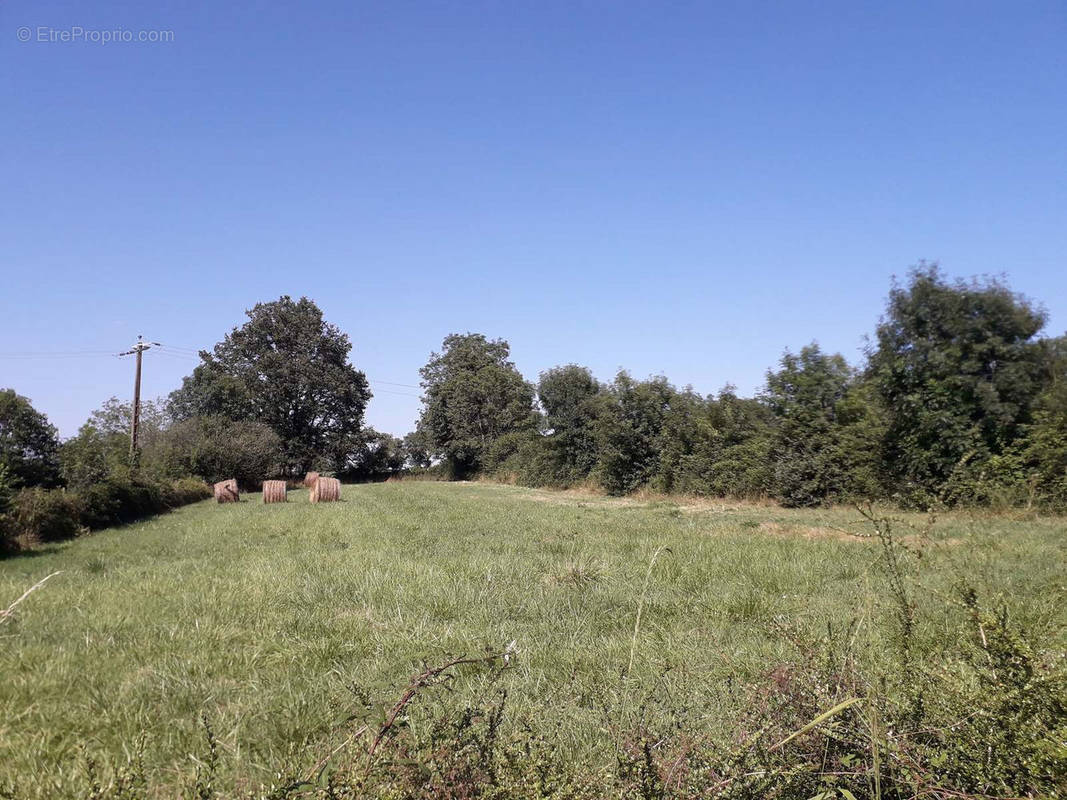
x,y
715,446
737,453
629,420
8,542
1041,454
28,443
92,456
957,368
826,440
380,456
568,396
684,429
473,395
101,450
417,450
287,368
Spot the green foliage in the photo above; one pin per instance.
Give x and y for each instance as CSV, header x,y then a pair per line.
x,y
630,416
379,456
28,443
1010,701
959,403
1044,451
417,449
116,502
567,454
47,515
52,515
92,456
826,442
682,435
101,449
731,450
8,541
287,368
217,448
957,368
184,491
473,395
769,662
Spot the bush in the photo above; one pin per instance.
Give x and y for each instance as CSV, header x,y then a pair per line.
x,y
117,501
52,515
47,515
187,490
8,544
216,448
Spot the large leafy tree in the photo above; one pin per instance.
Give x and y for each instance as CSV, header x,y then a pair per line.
x,y
828,430
630,420
287,368
568,396
473,396
29,444
1042,453
957,367
737,452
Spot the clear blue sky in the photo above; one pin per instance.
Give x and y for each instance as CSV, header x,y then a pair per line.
x,y
675,188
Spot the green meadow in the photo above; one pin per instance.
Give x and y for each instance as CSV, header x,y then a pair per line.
x,y
276,624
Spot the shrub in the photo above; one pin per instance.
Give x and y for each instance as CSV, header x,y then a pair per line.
x,y
117,501
92,456
8,542
630,416
47,515
216,448
187,490
52,515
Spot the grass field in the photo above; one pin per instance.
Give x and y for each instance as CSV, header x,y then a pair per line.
x,y
272,621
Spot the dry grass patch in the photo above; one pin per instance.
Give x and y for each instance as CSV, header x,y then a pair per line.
x,y
806,531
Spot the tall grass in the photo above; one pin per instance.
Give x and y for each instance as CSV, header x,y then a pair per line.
x,y
278,624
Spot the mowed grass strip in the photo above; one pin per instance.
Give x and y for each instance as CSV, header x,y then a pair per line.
x,y
273,620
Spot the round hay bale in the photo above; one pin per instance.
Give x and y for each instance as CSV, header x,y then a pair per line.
x,y
310,478
326,490
226,491
273,491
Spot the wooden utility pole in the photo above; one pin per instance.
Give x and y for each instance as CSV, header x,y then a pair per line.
x,y
138,350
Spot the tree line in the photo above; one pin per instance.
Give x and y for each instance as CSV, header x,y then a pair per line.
x,y
960,400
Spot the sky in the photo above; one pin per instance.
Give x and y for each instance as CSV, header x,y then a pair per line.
x,y
684,189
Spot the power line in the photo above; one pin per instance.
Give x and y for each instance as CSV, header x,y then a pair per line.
x,y
178,356
175,353
391,383
57,354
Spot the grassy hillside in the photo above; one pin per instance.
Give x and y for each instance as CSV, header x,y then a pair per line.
x,y
276,622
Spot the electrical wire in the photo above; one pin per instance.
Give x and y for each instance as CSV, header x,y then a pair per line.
x,y
406,385
176,353
52,356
